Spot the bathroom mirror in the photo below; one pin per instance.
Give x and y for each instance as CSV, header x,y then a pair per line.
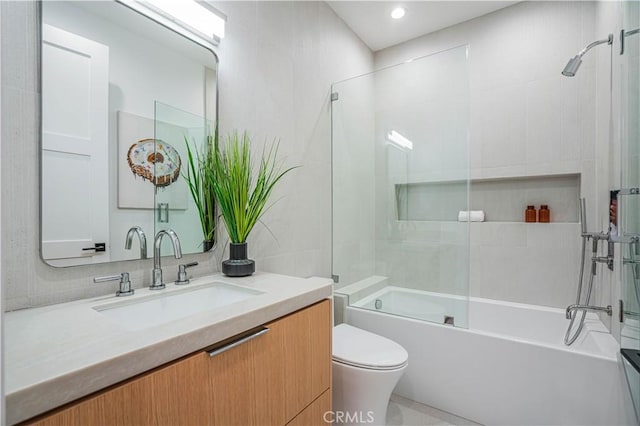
x,y
104,67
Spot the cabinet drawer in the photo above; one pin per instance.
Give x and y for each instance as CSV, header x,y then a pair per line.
x,y
246,382
318,413
273,377
307,355
171,395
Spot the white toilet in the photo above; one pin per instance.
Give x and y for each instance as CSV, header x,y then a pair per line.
x,y
366,368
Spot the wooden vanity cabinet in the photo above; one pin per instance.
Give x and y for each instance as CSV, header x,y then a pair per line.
x,y
280,377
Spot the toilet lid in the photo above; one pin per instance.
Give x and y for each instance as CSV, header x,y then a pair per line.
x,y
361,348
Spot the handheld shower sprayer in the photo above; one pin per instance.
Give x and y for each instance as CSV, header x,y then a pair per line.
x,y
574,63
582,307
582,209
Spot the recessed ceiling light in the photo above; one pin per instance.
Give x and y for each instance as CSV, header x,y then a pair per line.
x,y
398,12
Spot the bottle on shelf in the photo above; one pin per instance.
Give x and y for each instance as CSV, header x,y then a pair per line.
x,y
530,214
544,214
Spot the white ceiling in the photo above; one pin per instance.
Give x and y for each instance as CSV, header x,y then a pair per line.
x,y
372,22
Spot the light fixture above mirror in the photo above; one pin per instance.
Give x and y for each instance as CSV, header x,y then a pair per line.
x,y
200,19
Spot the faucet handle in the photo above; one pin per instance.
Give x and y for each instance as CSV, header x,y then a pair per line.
x,y
182,273
125,284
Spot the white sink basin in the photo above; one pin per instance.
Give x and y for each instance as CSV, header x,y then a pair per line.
x,y
145,312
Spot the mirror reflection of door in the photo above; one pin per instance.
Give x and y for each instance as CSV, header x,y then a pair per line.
x,y
104,66
75,186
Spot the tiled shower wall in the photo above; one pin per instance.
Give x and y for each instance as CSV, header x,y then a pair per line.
x,y
526,120
277,63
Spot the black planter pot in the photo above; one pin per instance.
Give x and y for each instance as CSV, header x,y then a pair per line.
x,y
207,245
238,265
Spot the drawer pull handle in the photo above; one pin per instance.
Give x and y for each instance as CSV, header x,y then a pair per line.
x,y
238,342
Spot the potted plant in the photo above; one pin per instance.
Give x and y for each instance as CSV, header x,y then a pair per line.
x,y
241,195
198,169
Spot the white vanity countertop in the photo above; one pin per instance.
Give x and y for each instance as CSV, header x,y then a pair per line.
x,y
57,354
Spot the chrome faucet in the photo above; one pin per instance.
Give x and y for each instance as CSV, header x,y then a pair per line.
x,y
158,284
136,230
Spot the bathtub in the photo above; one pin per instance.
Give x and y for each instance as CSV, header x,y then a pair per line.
x,y
509,367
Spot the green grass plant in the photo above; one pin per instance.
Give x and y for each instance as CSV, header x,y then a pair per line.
x,y
242,196
200,186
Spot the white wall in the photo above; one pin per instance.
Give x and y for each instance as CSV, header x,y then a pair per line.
x,y
277,63
526,120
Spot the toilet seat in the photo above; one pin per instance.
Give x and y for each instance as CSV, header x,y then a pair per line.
x,y
359,348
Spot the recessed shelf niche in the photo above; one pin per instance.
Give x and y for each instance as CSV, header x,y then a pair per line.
x,y
502,199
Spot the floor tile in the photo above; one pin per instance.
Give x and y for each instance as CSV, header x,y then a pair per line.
x,y
405,412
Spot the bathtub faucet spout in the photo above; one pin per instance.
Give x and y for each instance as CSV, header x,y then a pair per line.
x,y
576,307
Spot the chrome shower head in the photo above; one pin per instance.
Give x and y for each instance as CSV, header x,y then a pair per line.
x,y
572,66
574,63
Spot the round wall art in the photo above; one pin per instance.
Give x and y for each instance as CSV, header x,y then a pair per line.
x,y
155,160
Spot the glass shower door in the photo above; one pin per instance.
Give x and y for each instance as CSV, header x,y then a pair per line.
x,y
174,206
629,199
400,169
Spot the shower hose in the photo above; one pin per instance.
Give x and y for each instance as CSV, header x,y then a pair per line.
x,y
572,334
570,337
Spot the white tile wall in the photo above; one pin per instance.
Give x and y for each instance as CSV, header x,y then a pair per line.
x,y
499,121
525,262
277,63
301,49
